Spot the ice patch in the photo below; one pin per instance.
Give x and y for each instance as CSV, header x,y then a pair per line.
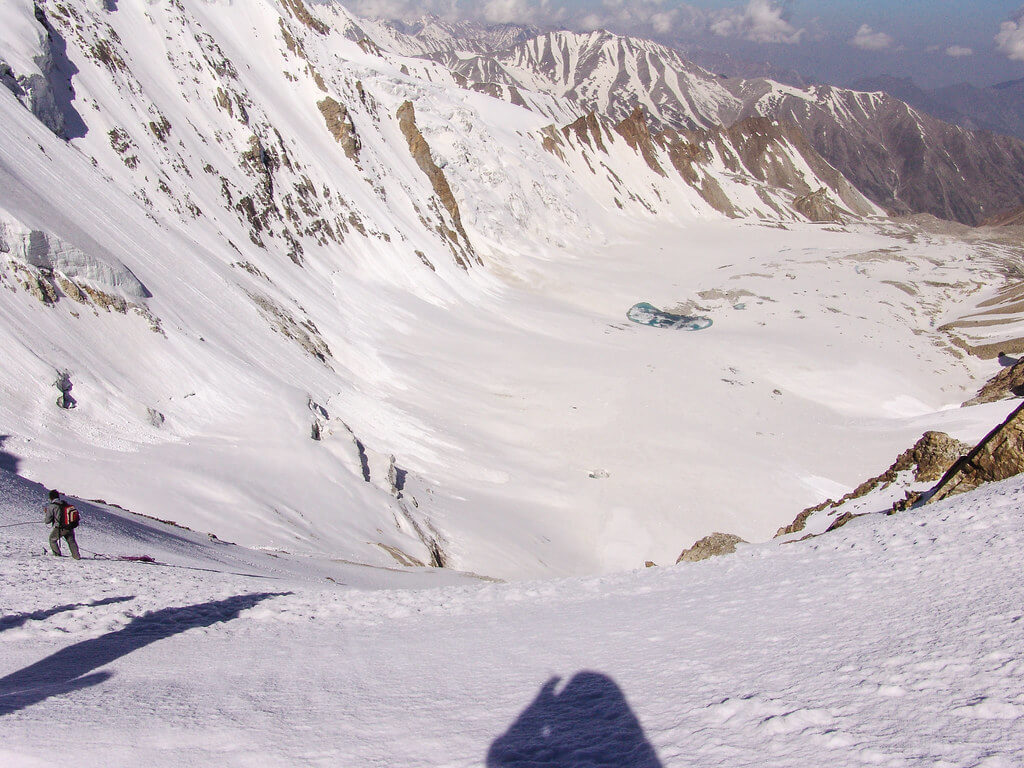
x,y
647,314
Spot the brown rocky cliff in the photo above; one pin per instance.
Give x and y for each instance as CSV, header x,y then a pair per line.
x,y
760,143
298,9
1009,382
998,457
340,124
420,151
638,136
587,130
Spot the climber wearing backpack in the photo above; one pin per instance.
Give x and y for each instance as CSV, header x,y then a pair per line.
x,y
63,516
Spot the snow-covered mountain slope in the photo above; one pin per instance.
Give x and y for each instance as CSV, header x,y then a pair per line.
x,y
315,296
757,168
902,159
431,34
609,74
894,641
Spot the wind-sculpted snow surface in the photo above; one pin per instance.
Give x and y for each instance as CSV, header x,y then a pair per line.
x,y
893,641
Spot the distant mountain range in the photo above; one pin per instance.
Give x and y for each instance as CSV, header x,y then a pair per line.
x,y
997,108
908,152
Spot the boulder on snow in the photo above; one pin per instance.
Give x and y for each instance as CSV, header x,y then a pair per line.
x,y
711,546
818,207
931,456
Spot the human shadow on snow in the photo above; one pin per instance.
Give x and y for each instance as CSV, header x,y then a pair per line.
x,y
71,669
17,619
588,724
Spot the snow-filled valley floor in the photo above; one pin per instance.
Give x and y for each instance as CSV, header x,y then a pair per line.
x,y
895,641
301,371
536,430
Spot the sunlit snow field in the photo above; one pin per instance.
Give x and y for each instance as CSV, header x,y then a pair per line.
x,y
893,641
501,416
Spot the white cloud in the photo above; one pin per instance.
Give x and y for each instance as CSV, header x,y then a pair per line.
x,y
591,21
513,11
762,21
641,17
644,17
868,39
407,10
959,51
1010,40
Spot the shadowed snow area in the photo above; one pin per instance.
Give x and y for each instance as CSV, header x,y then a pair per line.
x,y
894,641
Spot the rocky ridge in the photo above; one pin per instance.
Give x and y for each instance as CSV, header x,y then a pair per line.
x,y
771,171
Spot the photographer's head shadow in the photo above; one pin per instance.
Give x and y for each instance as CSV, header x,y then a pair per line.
x,y
588,724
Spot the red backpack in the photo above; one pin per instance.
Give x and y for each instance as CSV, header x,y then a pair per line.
x,y
68,516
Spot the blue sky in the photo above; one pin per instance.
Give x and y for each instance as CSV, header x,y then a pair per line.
x,y
936,42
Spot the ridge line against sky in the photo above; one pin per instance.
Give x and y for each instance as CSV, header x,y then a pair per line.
x,y
935,42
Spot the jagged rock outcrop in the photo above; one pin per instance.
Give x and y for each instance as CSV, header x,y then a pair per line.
x,y
931,456
711,546
928,459
772,158
420,151
775,154
998,457
298,9
587,129
1008,383
800,521
339,123
637,135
